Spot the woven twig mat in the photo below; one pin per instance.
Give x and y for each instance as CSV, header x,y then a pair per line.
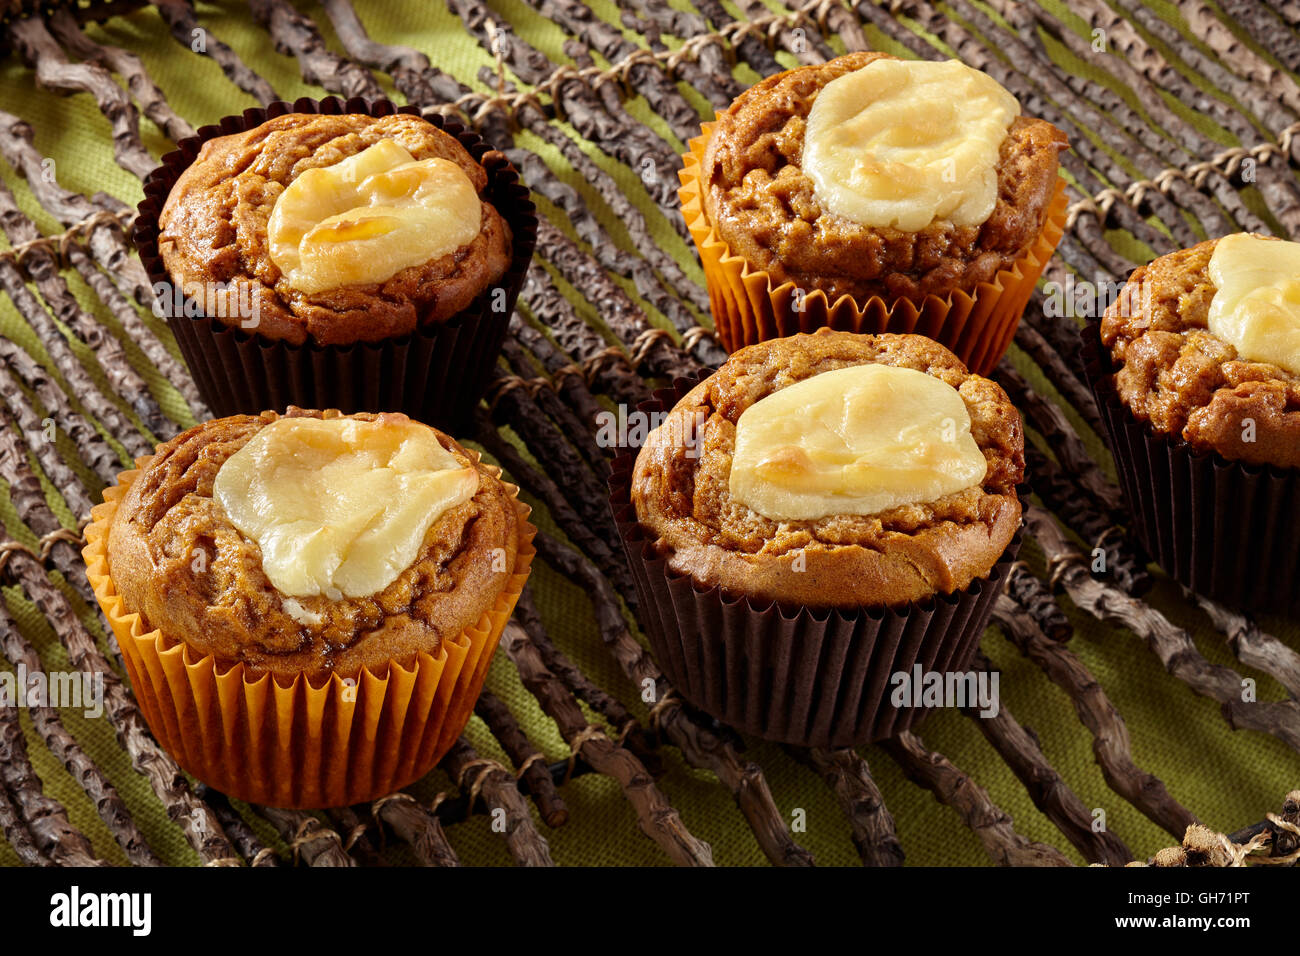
x,y
1122,717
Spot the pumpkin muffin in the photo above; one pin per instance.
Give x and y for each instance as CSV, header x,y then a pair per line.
x,y
822,513
190,567
684,492
348,255
220,224
1196,369
870,178
1176,374
766,205
365,563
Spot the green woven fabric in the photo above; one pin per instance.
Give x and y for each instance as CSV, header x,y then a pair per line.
x,y
1227,778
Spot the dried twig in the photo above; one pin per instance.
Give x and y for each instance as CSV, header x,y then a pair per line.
x,y
1110,746
662,294
1101,531
296,35
30,496
807,46
69,367
16,832
43,269
200,826
1049,421
184,25
579,103
698,743
583,489
44,817
99,217
955,789
527,759
849,777
629,730
53,71
646,78
624,317
356,836
248,843
1029,591
576,426
1252,646
1181,144
48,724
604,366
417,826
655,816
596,543
172,368
307,837
1046,355
750,48
127,65
495,785
1172,645
1018,746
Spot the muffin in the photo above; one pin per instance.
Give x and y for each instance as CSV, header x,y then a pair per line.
x,y
1196,369
874,194
365,563
824,512
337,255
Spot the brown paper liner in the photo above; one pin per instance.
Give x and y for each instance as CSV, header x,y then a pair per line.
x,y
1225,529
297,745
815,677
748,307
436,374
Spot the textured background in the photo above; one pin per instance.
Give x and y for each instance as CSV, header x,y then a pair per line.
x,y
1229,779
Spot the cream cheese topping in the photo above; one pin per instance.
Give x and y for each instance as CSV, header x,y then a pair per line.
x,y
901,143
1256,304
339,507
856,440
368,217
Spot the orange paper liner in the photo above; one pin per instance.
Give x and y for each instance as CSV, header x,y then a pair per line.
x,y
296,745
749,308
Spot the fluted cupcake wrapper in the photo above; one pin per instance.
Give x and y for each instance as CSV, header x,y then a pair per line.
x,y
1225,529
436,374
797,675
298,745
749,307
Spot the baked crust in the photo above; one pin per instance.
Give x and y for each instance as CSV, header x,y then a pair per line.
x,y
1185,381
762,204
176,559
212,229
904,554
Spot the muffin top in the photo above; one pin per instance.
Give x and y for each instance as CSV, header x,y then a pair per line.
x,y
333,229
890,476
945,186
313,543
1216,366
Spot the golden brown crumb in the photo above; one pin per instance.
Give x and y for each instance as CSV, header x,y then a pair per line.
x,y
178,561
1185,381
212,229
760,201
906,553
